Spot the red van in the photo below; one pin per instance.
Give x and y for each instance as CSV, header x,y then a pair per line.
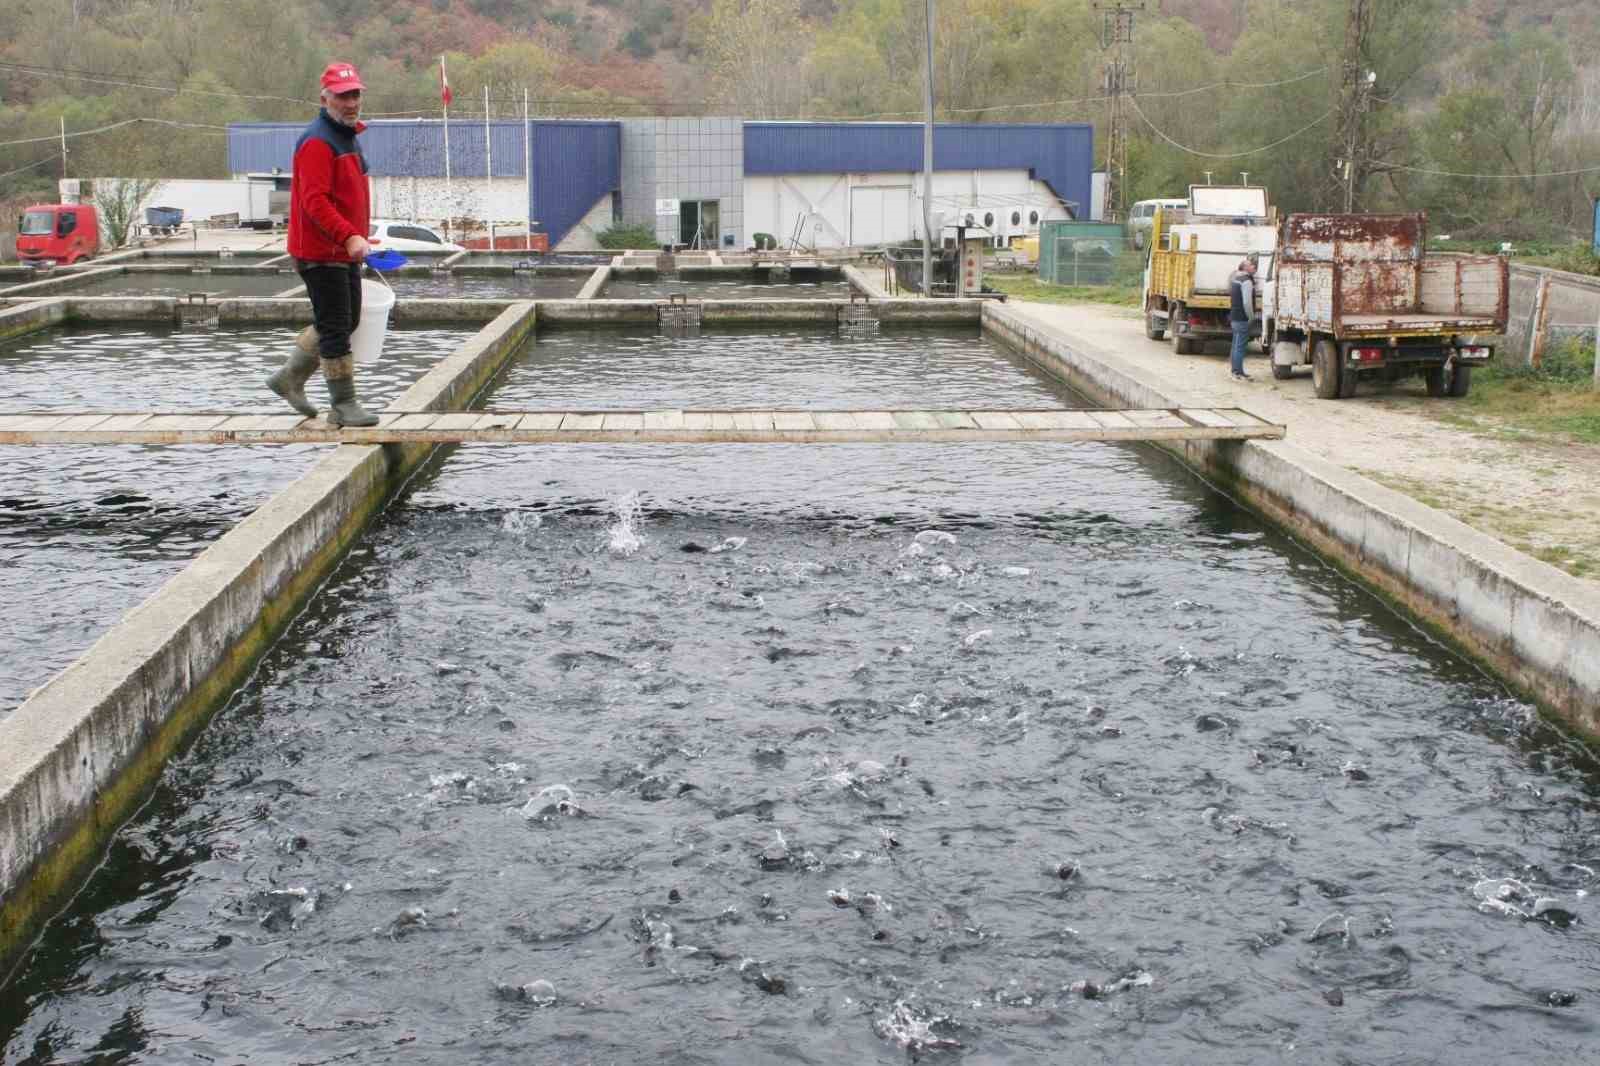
x,y
58,233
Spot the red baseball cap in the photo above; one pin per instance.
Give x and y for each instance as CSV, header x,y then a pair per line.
x,y
341,78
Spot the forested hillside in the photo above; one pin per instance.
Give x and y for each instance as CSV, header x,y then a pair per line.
x,y
1506,88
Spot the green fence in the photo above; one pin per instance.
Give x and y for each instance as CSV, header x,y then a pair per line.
x,y
1087,253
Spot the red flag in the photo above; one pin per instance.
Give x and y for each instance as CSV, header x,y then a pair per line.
x,y
444,84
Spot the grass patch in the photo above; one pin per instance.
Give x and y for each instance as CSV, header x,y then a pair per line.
x,y
1576,257
1557,398
1027,287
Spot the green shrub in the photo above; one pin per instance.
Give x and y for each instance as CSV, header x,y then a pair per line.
x,y
1568,363
628,235
765,242
1579,258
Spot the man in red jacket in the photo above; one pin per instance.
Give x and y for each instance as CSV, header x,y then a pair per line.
x,y
328,227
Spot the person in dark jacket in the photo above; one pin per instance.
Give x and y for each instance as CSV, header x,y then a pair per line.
x,y
328,226
1241,309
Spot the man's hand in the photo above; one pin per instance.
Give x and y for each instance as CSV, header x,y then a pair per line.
x,y
356,247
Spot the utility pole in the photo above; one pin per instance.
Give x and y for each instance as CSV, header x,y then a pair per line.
x,y
1119,80
1355,95
527,167
63,146
488,169
927,166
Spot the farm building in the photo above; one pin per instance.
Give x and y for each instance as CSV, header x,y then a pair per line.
x,y
709,181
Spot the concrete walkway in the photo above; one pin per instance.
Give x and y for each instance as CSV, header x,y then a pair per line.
x,y
1539,497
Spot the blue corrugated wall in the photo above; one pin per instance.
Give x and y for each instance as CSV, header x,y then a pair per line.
x,y
1059,154
575,163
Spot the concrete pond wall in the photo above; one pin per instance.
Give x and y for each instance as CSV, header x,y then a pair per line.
x,y
1534,625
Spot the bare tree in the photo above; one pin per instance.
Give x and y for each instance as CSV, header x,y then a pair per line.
x,y
119,201
758,51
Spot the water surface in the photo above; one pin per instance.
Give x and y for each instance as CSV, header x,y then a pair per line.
x,y
989,753
86,532
753,285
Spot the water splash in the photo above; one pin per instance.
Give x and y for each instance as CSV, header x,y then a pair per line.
x,y
623,537
519,524
915,1028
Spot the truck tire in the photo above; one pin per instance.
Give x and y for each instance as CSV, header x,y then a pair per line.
x,y
1436,380
1460,381
1325,368
1181,345
1282,373
1153,327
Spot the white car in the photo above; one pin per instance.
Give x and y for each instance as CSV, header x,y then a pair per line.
x,y
408,237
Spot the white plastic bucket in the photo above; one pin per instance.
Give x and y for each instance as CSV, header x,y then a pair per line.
x,y
377,300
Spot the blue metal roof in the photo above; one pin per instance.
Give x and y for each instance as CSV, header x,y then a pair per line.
x,y
1059,154
575,162
398,148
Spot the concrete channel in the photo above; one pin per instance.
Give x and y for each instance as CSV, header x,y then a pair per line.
x,y
1535,626
79,756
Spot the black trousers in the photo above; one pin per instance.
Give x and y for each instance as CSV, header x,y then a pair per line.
x,y
335,291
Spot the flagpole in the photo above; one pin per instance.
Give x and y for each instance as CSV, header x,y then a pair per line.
x,y
527,170
488,170
446,101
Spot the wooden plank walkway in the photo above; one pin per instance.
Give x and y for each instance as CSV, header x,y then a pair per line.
x,y
660,427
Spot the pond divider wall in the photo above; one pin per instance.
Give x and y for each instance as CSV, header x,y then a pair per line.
x,y
80,755
597,281
1535,626
33,315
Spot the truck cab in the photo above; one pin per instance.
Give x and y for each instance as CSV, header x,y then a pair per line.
x,y
58,233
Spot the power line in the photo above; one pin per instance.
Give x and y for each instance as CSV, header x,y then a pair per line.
x,y
1523,177
30,166
99,78
79,133
1228,155
107,78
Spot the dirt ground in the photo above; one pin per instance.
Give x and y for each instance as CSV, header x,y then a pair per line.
x,y
1541,497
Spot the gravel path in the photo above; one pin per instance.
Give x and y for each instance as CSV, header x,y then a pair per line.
x,y
1538,496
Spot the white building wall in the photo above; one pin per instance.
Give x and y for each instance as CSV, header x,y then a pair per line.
x,y
200,198
424,199
832,214
584,236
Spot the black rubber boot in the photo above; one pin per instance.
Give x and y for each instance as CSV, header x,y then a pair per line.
x,y
290,379
341,375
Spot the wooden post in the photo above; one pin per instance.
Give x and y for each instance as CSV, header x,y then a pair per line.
x,y
1541,312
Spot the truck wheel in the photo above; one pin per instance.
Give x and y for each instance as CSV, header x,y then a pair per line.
x,y
1153,328
1282,373
1347,382
1460,381
1181,345
1434,378
1325,368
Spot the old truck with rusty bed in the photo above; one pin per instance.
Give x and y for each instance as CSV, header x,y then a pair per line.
x,y
1359,299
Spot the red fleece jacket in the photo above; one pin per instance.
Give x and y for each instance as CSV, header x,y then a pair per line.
x,y
328,201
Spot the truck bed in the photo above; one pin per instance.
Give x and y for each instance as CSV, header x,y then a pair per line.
x,y
1413,324
1394,297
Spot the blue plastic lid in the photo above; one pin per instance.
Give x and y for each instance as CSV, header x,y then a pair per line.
x,y
386,259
